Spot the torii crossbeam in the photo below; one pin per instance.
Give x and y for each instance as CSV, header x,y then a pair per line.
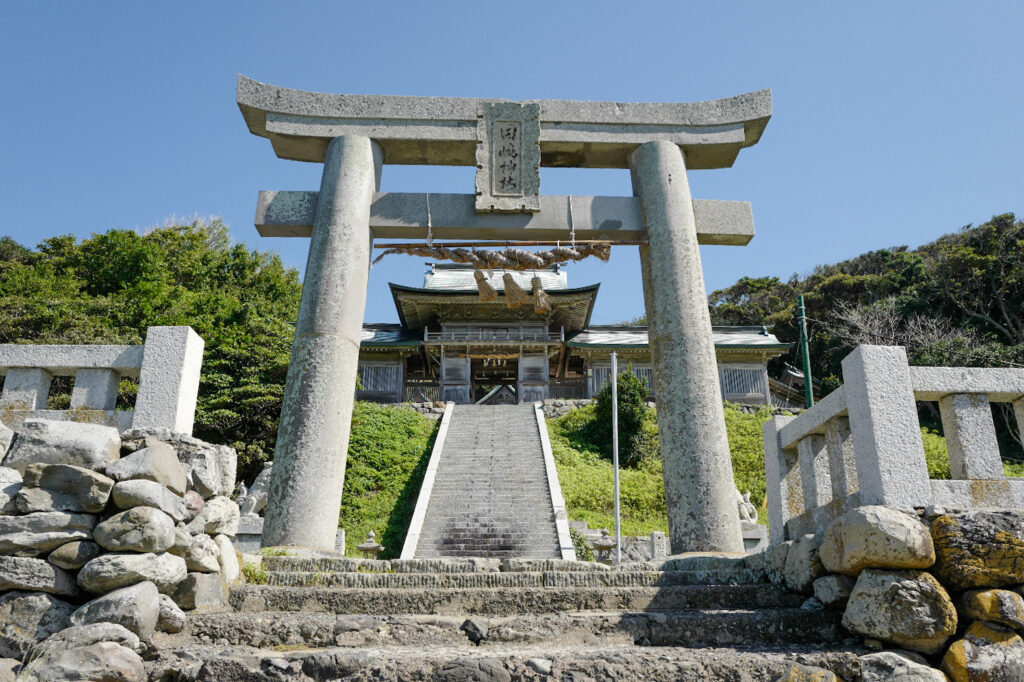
x,y
355,135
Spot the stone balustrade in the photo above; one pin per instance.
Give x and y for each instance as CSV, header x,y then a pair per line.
x,y
167,368
862,444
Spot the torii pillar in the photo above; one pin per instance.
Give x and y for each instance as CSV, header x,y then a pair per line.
x,y
701,497
508,142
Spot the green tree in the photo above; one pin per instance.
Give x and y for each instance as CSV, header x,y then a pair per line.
x,y
110,287
632,403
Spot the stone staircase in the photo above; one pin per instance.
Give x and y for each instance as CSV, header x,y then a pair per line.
x,y
490,497
704,618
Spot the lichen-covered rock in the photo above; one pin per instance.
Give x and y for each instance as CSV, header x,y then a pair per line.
x,y
6,436
182,541
91,446
104,661
203,555
136,607
987,652
876,537
803,566
908,608
86,635
228,559
998,606
898,666
172,618
194,454
9,669
140,529
143,493
194,504
111,571
34,534
202,590
219,516
29,617
62,487
157,462
979,549
833,590
74,555
36,575
798,672
10,484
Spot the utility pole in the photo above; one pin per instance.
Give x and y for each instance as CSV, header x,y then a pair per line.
x,y
615,455
808,384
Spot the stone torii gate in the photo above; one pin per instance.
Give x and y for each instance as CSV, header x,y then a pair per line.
x,y
354,135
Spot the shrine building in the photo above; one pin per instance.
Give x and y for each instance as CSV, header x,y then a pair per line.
x,y
453,345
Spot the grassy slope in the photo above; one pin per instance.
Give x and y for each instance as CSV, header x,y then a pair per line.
x,y
586,476
390,447
387,456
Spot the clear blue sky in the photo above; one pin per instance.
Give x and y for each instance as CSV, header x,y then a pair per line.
x,y
894,123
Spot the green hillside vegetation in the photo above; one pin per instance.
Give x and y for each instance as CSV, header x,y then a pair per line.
x,y
110,287
957,301
585,469
388,453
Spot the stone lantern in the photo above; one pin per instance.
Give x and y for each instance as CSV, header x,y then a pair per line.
x,y
370,548
604,546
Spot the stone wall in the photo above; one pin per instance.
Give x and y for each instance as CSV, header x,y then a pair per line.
x,y
939,588
107,538
433,409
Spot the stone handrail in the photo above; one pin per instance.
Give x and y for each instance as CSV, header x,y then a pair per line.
x,y
862,443
167,367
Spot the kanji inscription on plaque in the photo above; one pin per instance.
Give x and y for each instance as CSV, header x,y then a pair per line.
x,y
508,157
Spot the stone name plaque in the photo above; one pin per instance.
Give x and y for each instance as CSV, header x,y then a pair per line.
x,y
508,158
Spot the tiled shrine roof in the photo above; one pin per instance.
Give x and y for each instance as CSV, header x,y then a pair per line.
x,y
620,336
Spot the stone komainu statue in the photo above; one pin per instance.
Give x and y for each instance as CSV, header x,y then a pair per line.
x,y
251,501
746,508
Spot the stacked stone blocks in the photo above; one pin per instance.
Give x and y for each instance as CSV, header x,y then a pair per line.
x,y
940,588
115,533
862,445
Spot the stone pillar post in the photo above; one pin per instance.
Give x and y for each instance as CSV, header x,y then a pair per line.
x,y
814,473
970,437
169,379
784,488
304,496
887,444
699,488
842,462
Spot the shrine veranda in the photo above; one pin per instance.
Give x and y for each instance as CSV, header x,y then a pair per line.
x,y
354,136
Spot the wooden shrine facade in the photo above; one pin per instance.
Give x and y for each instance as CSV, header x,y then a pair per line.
x,y
451,345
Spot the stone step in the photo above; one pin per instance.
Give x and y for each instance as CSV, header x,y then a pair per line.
x,y
565,661
694,627
687,562
490,496
516,579
507,601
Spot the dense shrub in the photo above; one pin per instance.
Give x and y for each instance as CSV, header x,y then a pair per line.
x,y
632,404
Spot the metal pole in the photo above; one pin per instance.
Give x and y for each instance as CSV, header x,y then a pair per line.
x,y
615,455
808,384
